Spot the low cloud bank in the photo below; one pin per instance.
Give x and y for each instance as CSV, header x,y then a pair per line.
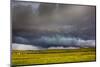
x,y
16,46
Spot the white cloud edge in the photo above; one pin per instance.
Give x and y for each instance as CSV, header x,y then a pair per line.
x,y
16,46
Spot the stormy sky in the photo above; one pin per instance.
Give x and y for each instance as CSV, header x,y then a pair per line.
x,y
52,25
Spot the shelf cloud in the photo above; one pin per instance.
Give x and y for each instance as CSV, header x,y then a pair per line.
x,y
45,42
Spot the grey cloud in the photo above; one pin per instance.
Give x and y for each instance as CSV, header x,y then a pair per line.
x,y
53,18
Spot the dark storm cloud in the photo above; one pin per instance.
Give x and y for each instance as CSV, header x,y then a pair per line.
x,y
53,24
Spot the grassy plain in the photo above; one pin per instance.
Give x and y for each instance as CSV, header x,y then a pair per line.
x,y
35,57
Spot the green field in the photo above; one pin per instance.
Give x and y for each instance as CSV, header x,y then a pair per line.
x,y
35,57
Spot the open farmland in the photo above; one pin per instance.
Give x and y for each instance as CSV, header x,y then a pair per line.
x,y
35,57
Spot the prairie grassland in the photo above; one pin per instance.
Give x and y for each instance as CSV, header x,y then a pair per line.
x,y
35,57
